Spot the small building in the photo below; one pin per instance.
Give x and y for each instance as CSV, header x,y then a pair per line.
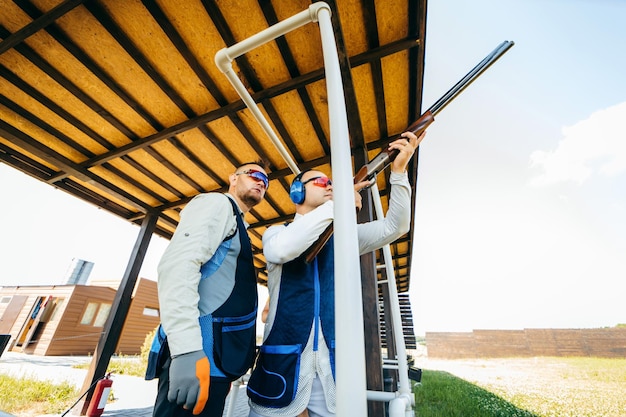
x,y
68,319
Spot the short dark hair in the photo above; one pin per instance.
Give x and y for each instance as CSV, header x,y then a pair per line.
x,y
259,162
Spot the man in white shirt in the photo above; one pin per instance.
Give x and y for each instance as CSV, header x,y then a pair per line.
x,y
295,368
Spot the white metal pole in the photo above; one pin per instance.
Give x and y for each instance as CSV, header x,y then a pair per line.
x,y
404,388
350,352
232,399
226,55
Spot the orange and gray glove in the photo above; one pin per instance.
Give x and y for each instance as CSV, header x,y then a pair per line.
x,y
190,375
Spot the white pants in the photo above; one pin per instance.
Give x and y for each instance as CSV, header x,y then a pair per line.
x,y
317,402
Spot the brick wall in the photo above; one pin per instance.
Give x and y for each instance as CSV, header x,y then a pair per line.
x,y
603,343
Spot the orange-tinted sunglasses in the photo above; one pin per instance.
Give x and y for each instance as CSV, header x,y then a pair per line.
x,y
322,182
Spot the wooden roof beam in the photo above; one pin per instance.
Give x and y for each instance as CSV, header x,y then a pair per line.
x,y
29,144
57,76
158,14
417,29
292,67
214,12
38,24
371,28
239,105
354,119
60,37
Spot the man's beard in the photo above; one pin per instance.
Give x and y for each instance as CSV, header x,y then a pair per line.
x,y
250,198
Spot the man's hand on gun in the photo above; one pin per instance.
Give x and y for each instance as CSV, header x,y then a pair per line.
x,y
406,146
358,200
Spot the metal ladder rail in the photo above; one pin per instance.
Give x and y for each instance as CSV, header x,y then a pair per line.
x,y
402,401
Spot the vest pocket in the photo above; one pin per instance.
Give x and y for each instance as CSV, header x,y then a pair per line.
x,y
234,344
274,381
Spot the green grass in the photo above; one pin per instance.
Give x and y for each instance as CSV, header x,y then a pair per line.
x,y
26,396
443,394
130,365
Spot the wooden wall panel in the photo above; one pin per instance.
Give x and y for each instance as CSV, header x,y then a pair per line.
x,y
45,334
542,342
602,343
608,343
60,333
493,342
71,337
450,345
138,325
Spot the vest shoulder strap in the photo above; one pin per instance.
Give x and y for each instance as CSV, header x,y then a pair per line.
x,y
229,237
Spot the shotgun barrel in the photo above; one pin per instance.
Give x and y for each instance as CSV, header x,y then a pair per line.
x,y
386,156
470,77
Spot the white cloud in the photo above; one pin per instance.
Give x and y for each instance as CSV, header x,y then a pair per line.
x,y
596,145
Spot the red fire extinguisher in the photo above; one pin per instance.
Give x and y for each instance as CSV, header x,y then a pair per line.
x,y
100,396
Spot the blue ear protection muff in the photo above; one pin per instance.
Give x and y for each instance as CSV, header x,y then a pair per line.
x,y
297,190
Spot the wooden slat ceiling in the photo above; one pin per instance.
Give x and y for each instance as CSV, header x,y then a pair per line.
x,y
119,102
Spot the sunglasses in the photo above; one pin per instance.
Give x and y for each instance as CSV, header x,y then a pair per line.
x,y
322,182
256,175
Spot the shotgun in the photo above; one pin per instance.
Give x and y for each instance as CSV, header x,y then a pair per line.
x,y
386,156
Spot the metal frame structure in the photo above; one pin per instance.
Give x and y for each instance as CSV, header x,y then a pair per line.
x,y
120,105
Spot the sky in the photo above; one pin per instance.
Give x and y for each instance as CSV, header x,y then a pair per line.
x,y
521,194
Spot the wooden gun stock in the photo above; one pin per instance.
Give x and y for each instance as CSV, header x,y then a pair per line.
x,y
386,156
367,173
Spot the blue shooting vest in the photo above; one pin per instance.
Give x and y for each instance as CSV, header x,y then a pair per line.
x,y
229,329
301,306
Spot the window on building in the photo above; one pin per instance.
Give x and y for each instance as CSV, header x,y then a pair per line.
x,y
103,313
96,314
152,312
89,313
58,303
5,300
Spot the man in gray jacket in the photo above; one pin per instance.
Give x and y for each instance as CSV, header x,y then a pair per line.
x,y
208,300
